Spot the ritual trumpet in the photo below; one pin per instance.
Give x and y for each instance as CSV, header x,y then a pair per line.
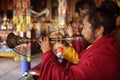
x,y
13,40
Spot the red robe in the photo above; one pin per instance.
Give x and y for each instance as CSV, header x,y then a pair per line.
x,y
99,62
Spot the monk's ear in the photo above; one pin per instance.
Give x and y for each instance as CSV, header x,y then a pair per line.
x,y
100,31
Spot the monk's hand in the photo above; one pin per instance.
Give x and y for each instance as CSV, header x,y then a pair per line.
x,y
44,42
69,30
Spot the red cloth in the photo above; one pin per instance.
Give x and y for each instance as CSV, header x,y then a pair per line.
x,y
100,62
78,44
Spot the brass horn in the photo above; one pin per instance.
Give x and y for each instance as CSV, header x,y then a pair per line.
x,y
13,40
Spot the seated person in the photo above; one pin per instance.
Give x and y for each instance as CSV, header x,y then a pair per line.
x,y
98,62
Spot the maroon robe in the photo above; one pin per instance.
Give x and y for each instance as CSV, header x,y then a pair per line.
x,y
99,62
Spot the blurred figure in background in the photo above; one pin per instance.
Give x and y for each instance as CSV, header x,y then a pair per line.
x,y
84,6
114,9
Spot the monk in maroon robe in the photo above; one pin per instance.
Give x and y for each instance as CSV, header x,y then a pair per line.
x,y
101,61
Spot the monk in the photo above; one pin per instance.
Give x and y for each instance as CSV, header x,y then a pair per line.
x,y
100,61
